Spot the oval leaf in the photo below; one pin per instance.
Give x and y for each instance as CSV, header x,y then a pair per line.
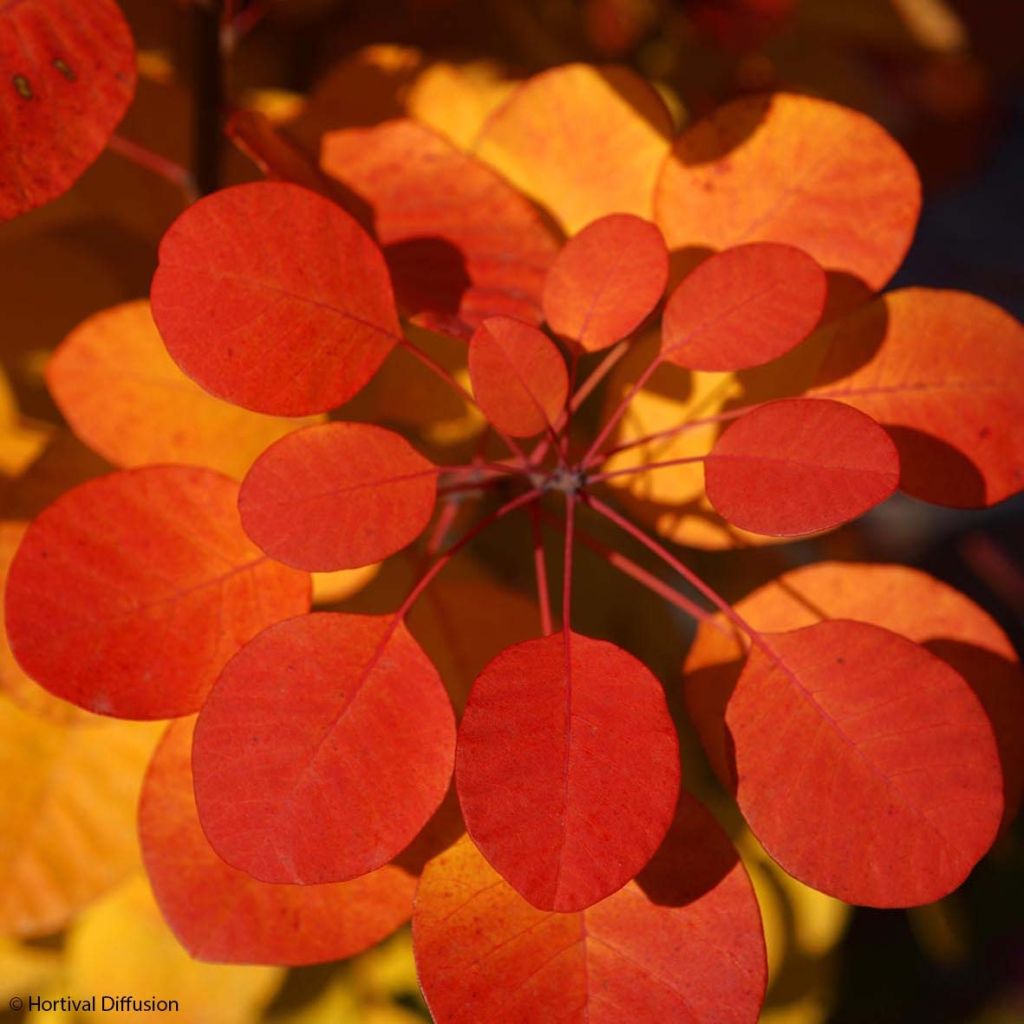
x,y
337,496
324,748
942,371
798,466
864,765
783,168
606,281
578,805
581,141
681,943
68,74
124,397
519,376
743,307
224,915
128,594
264,330
461,243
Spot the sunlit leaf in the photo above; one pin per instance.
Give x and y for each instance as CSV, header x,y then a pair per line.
x,y
281,335
20,442
682,942
606,281
123,395
519,376
786,168
742,307
581,141
337,496
461,244
323,749
582,799
67,816
68,73
222,914
131,591
800,465
26,967
940,370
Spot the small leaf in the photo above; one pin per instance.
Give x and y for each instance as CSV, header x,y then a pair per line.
x,y
224,915
324,748
581,141
123,396
337,496
579,803
130,592
800,465
783,168
681,943
461,243
941,370
606,281
864,765
67,75
519,376
743,307
276,333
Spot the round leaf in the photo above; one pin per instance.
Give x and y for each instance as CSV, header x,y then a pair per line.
x,y
128,594
579,803
606,281
337,496
519,376
743,307
67,69
274,298
800,465
324,748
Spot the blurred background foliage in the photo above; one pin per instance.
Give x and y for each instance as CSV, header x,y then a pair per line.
x,y
944,76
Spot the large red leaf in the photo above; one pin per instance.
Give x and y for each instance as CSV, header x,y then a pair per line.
x,y
606,280
519,376
68,74
743,307
942,371
221,914
130,593
902,599
337,496
577,805
324,748
682,943
793,169
800,465
461,243
863,763
274,298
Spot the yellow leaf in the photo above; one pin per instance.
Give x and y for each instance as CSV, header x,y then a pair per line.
x,y
331,587
20,441
124,396
26,969
67,814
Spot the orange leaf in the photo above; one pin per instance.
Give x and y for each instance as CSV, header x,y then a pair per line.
x,y
792,169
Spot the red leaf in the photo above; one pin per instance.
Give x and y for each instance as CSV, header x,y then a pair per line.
x,y
681,943
67,69
337,496
798,466
606,280
865,765
942,371
224,915
461,243
518,375
577,805
743,307
130,592
324,748
259,327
